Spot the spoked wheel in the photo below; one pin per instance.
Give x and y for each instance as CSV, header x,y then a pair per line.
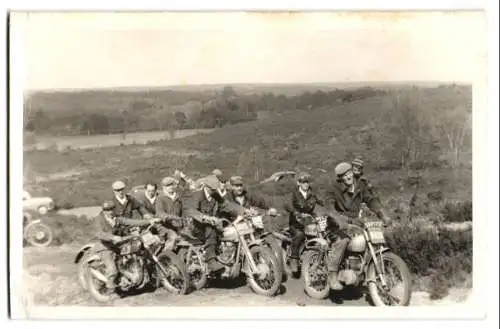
x,y
96,282
172,273
397,291
195,267
269,274
315,274
38,234
275,246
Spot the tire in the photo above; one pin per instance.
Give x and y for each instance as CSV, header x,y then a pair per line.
x,y
273,244
373,290
307,273
173,264
272,263
82,272
92,286
38,234
186,255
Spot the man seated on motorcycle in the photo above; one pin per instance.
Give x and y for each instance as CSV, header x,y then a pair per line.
x,y
205,206
346,196
303,201
169,208
125,204
223,190
240,195
111,230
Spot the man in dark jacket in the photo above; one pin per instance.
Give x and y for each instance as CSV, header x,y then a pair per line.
x,y
110,231
148,198
125,204
168,207
204,207
346,196
303,201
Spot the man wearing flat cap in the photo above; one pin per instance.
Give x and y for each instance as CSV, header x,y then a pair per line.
x,y
125,204
205,207
169,208
240,195
304,200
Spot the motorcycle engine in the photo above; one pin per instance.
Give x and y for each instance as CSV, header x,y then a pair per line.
x,y
354,263
227,252
131,269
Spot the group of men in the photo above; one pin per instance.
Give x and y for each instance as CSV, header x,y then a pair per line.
x,y
217,197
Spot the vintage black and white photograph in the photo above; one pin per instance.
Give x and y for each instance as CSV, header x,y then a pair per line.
x,y
303,160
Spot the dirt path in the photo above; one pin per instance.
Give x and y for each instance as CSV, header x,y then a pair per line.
x,y
50,280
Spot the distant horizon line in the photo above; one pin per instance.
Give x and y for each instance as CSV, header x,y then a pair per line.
x,y
222,84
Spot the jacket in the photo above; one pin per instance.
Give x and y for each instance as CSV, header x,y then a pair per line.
x,y
199,206
250,200
128,208
349,204
300,205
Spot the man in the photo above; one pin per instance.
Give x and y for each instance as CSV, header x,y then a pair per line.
x,y
240,195
204,208
303,201
358,172
168,207
347,195
357,168
149,197
125,204
110,231
223,180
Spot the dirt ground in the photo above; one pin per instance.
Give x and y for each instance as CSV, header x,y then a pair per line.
x,y
50,280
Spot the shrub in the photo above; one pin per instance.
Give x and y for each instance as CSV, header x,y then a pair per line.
x,y
457,212
444,256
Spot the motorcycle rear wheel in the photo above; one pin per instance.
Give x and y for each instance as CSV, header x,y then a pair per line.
x,y
374,287
268,259
309,258
175,278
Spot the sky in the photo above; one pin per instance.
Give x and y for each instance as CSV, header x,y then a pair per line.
x,y
94,50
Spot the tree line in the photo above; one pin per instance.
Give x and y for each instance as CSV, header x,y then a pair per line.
x,y
225,107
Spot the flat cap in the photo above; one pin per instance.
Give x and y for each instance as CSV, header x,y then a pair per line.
x,y
236,180
118,185
167,181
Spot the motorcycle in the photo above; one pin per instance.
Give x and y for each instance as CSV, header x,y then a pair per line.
x,y
141,259
312,230
239,251
365,264
36,233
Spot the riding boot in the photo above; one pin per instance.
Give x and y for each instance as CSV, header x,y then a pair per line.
x,y
294,265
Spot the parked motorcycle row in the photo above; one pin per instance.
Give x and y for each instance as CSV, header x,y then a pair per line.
x,y
245,248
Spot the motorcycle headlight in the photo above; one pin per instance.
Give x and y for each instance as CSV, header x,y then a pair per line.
x,y
257,222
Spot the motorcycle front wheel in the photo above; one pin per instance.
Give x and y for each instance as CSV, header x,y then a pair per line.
x,y
381,296
195,267
172,274
38,234
95,282
315,274
270,275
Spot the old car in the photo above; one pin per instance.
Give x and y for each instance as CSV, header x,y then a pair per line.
x,y
41,205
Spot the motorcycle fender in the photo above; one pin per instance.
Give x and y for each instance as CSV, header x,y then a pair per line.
x,y
316,243
257,242
82,251
369,260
